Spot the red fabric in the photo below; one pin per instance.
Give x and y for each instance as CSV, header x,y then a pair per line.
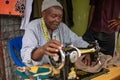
x,y
8,9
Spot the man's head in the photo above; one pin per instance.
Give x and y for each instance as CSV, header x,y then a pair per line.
x,y
52,12
49,3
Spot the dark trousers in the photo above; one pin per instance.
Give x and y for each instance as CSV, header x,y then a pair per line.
x,y
105,41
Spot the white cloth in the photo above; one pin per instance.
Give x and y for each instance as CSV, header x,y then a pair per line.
x,y
27,13
49,3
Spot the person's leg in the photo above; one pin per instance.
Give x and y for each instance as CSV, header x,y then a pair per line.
x,y
106,43
89,36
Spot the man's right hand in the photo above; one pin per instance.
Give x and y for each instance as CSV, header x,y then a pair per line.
x,y
52,47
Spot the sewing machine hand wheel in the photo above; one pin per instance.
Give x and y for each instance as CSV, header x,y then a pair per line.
x,y
58,61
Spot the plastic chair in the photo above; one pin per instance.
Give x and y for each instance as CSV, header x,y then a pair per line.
x,y
15,46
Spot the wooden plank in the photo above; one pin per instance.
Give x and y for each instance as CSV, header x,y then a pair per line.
x,y
2,67
113,74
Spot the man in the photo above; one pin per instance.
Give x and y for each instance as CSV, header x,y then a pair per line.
x,y
103,25
46,36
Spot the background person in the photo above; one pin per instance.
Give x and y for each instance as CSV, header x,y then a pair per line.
x,y
103,25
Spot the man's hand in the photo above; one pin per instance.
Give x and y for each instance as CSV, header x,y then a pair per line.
x,y
52,47
114,24
87,60
90,60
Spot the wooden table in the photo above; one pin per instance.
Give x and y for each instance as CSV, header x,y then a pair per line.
x,y
113,74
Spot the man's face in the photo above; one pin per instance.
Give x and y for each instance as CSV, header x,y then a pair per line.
x,y
53,17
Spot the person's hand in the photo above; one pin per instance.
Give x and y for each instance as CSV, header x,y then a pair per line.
x,y
87,60
114,24
52,47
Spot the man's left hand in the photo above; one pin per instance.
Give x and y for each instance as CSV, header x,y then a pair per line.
x,y
114,24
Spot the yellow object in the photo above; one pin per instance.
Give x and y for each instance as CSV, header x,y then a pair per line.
x,y
26,79
72,74
83,51
55,71
44,29
34,69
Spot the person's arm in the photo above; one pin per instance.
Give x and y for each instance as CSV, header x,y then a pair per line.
x,y
91,13
87,59
69,37
51,48
34,47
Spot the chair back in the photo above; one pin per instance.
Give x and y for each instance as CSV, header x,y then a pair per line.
x,y
15,46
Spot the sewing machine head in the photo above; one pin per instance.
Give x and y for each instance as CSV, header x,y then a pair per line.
x,y
72,53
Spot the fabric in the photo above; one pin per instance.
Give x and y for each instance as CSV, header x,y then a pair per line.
x,y
27,13
37,39
20,6
104,10
106,61
44,71
115,61
40,70
49,3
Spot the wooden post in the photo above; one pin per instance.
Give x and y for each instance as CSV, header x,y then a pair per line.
x,y
2,66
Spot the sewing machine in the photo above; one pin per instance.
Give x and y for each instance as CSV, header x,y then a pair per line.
x,y
67,57
61,67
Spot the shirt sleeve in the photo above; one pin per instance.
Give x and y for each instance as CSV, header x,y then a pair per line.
x,y
71,37
29,43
